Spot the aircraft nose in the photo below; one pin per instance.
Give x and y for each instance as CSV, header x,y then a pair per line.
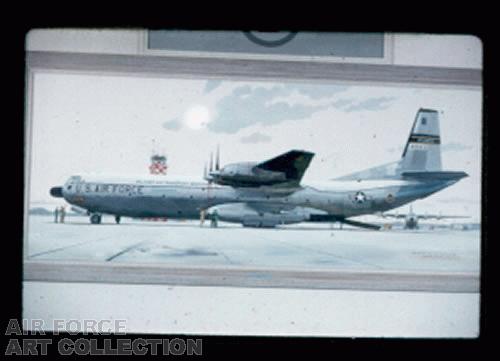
x,y
56,192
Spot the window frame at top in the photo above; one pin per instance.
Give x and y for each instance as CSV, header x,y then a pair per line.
x,y
387,58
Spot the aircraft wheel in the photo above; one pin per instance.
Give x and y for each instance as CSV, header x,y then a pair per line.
x,y
117,219
95,219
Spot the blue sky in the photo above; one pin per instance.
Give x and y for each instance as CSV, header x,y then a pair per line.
x,y
96,124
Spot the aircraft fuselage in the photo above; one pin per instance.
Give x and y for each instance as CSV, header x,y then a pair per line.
x,y
185,199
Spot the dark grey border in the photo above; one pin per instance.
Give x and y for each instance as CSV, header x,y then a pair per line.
x,y
197,67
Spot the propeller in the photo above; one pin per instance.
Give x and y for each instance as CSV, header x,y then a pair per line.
x,y
217,159
207,173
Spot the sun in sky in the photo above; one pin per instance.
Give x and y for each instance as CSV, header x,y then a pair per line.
x,y
197,117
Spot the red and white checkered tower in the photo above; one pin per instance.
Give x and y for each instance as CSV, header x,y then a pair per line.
x,y
158,164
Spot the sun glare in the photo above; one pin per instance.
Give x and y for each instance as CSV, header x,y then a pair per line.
x,y
197,117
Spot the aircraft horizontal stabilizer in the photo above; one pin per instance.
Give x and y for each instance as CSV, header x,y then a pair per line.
x,y
333,218
440,175
361,224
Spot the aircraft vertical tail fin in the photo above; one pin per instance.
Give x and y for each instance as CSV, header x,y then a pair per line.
x,y
423,148
421,158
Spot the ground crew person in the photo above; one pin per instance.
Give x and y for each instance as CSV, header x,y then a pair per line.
x,y
63,213
56,214
202,217
214,219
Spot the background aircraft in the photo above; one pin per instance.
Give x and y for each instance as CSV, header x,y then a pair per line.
x,y
411,219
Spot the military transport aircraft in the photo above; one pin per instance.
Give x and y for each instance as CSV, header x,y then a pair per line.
x,y
270,193
411,219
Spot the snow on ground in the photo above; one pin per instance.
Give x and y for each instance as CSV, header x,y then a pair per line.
x,y
302,246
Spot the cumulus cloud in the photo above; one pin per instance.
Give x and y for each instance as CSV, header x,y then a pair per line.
x,y
173,124
256,138
455,147
248,105
370,104
211,85
316,91
255,104
342,103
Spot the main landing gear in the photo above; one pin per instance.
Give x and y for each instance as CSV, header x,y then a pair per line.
x,y
95,218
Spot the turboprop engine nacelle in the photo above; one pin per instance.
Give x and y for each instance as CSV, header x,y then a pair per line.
x,y
285,169
246,174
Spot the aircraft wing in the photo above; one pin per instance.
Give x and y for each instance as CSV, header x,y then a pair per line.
x,y
439,216
293,164
393,215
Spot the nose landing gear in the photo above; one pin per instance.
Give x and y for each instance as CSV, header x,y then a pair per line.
x,y
117,219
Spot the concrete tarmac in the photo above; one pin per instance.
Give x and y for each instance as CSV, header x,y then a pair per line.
x,y
301,256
